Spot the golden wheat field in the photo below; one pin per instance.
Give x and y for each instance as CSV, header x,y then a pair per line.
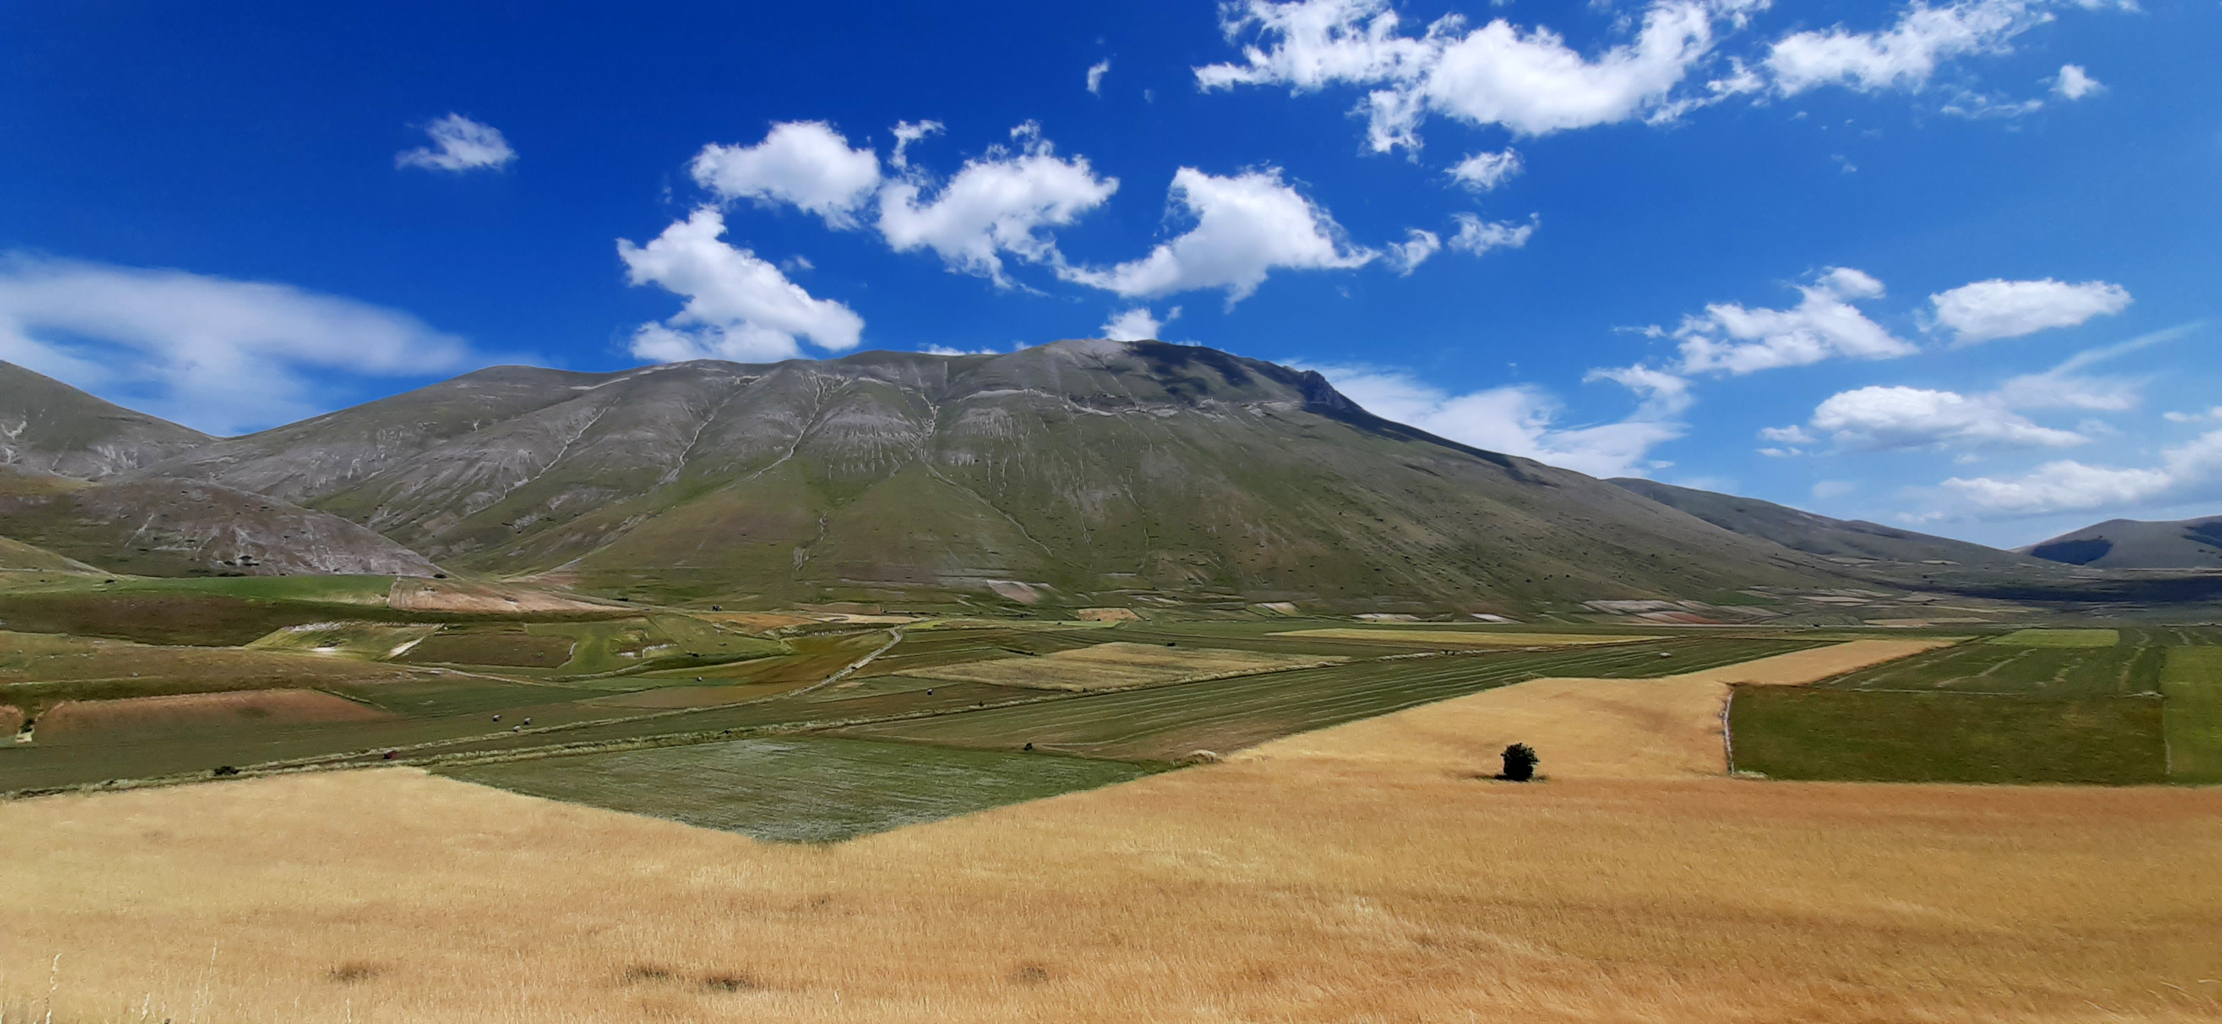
x,y
1364,873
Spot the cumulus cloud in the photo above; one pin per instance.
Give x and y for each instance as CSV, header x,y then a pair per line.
x,y
1096,72
1418,245
2214,414
1485,170
1521,419
1905,55
1137,324
1247,225
907,132
218,354
1988,310
2074,83
1528,81
459,144
1003,202
804,163
2188,472
1478,236
1876,418
738,306
1733,339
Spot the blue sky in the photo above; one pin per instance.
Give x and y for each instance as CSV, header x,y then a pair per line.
x,y
1953,267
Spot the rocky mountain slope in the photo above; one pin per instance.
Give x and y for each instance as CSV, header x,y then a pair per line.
x,y
1818,534
48,425
2134,544
1081,472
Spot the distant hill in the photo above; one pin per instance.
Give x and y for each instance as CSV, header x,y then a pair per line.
x,y
49,426
1817,534
2132,544
1082,472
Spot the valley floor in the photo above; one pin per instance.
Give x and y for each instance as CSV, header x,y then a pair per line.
x,y
1367,872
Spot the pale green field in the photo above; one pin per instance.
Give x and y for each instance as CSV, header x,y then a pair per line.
x,y
2061,638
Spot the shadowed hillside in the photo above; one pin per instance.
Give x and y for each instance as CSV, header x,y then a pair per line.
x,y
2132,544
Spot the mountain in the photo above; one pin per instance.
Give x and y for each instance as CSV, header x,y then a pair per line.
x,y
167,527
48,425
1817,534
1081,472
2133,544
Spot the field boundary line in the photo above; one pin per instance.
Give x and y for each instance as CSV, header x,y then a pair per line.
x,y
1728,731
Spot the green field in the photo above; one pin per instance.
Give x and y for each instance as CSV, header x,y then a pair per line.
x,y
1789,732
799,789
2193,684
2060,638
1165,722
2057,671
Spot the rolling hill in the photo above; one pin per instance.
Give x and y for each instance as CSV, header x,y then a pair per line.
x,y
1082,472
1818,534
2134,544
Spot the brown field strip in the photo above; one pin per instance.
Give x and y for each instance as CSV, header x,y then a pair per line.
x,y
11,722
1115,665
84,721
1464,638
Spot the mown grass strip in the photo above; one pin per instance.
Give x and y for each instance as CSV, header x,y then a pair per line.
x,y
2060,638
2192,714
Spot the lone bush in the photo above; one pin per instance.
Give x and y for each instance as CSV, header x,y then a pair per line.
x,y
1519,762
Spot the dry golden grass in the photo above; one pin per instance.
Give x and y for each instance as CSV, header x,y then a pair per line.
x,y
1116,665
87,720
1817,663
1465,638
1582,728
1358,874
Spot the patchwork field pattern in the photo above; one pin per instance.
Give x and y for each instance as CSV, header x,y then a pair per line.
x,y
1167,722
1465,637
2018,669
188,714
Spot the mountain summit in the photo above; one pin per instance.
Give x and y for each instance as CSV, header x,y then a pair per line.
x,y
1076,472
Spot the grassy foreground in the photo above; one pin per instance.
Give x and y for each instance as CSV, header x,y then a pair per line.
x,y
1898,736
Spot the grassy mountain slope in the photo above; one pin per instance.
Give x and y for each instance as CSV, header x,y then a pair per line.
x,y
2134,544
1817,534
1080,472
49,426
167,527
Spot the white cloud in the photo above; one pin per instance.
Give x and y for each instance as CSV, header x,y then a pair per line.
x,y
1247,225
1729,338
463,145
1096,72
1992,309
805,163
907,132
1521,420
2074,83
1485,170
738,306
1002,202
944,350
2188,472
1528,81
2214,414
217,354
1137,324
1418,245
1792,434
1877,418
1905,55
1478,236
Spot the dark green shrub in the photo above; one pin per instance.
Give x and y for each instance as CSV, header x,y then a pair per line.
x,y
1519,762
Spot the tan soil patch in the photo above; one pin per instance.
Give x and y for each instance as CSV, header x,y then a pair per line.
x,y
417,594
1815,664
1109,615
1465,638
135,717
11,722
1116,665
